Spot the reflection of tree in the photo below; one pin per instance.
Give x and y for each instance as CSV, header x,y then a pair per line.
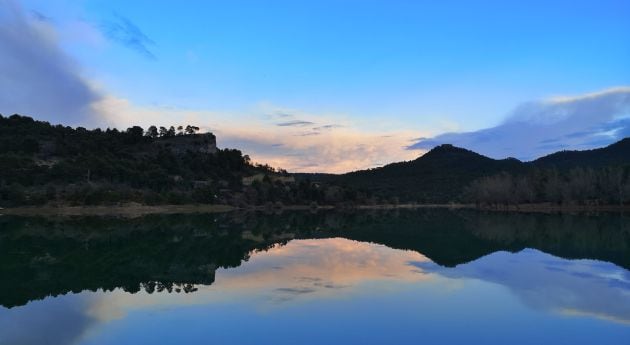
x,y
172,253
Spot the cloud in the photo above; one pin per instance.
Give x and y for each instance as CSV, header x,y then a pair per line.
x,y
40,16
36,77
307,134
538,128
337,151
343,149
125,32
326,127
294,123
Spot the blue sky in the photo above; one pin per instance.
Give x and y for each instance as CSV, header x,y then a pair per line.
x,y
372,75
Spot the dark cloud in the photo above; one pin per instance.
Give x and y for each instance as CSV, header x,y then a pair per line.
x,y
125,32
539,128
326,127
40,16
282,114
308,134
36,77
295,123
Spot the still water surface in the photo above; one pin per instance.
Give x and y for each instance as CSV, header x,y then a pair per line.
x,y
426,276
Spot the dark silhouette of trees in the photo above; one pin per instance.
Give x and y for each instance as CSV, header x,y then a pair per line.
x,y
135,131
191,129
577,186
152,132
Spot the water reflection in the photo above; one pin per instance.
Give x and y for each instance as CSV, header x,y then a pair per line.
x,y
542,281
375,277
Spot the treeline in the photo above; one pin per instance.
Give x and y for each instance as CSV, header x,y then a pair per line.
x,y
577,186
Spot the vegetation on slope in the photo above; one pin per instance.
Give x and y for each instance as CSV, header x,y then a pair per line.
x,y
451,174
45,164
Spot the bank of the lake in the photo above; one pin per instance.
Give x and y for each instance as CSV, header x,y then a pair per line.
x,y
134,209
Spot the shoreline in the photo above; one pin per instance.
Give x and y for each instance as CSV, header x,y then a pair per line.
x,y
133,210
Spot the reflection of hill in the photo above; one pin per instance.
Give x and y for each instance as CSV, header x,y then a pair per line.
x,y
41,257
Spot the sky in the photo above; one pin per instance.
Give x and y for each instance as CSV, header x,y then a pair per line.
x,y
328,86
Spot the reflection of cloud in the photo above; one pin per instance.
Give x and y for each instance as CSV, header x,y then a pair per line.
x,y
60,320
538,128
125,32
583,287
301,269
36,77
296,291
319,268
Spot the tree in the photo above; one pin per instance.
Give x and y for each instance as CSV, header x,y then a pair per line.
x,y
163,132
152,132
135,131
180,130
191,129
171,132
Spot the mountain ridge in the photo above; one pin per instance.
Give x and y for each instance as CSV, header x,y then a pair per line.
x,y
444,172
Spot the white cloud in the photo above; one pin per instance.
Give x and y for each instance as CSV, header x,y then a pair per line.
x,y
327,143
538,128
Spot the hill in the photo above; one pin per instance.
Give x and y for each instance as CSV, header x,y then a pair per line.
x,y
39,161
42,163
437,176
451,174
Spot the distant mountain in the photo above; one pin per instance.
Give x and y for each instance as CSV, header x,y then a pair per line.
x,y
442,174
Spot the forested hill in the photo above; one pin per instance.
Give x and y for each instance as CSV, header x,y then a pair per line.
x,y
42,161
437,176
49,164
452,174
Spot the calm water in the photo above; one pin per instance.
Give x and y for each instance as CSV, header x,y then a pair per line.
x,y
427,276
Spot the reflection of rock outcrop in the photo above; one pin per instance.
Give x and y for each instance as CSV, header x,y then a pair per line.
x,y
41,257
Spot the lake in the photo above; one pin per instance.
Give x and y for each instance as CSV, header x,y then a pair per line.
x,y
367,277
